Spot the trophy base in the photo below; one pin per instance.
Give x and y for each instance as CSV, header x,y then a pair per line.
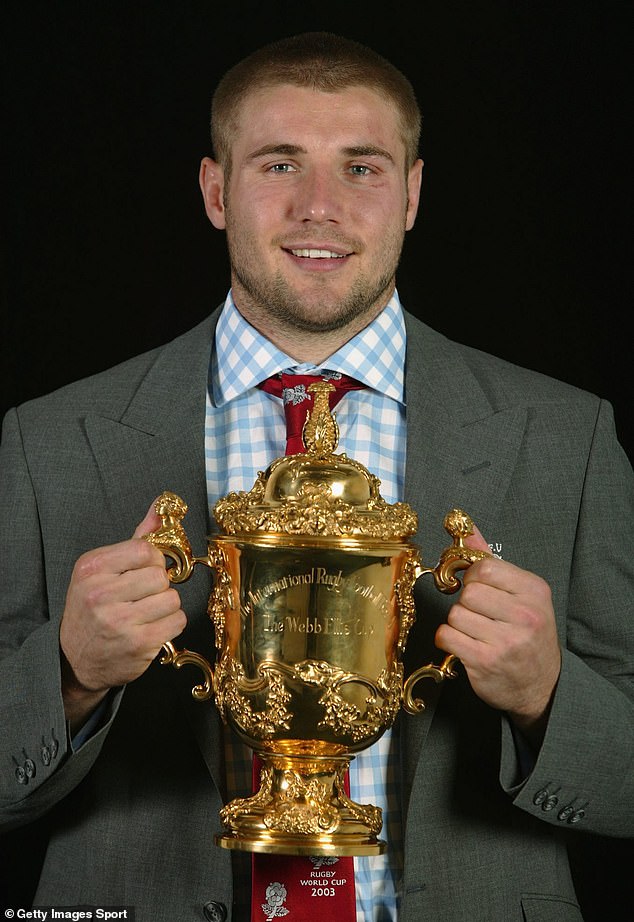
x,y
310,846
302,808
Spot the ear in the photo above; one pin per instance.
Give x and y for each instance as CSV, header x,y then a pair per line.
x,y
414,180
212,186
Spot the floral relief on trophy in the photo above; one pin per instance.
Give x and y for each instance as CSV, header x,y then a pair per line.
x,y
344,717
221,599
233,689
403,591
288,802
316,509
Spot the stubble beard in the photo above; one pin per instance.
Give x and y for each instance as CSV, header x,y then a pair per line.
x,y
274,299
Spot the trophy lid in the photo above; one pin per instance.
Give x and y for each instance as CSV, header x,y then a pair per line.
x,y
316,493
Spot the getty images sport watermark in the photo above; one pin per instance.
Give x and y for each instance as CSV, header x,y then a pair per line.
x,y
76,913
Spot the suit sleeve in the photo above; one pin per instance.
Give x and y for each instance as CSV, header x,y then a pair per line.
x,y
37,766
583,776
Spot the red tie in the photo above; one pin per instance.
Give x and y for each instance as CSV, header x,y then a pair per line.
x,y
302,889
293,389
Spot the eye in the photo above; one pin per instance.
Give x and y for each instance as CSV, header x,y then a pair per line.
x,y
281,168
359,169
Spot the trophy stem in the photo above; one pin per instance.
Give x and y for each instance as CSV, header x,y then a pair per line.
x,y
301,808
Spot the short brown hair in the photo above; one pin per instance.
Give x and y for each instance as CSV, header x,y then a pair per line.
x,y
320,61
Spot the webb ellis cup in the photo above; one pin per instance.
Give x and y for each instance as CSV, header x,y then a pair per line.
x,y
312,604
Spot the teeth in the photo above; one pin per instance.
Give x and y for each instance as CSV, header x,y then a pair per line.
x,y
317,254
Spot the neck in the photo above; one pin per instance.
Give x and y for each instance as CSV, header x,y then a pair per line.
x,y
305,346
301,344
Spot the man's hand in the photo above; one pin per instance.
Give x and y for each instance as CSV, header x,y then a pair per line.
x,y
119,611
502,628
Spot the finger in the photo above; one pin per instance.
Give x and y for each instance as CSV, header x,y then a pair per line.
x,y
479,603
476,541
474,637
503,575
151,522
466,647
156,633
153,609
150,616
139,626
130,586
118,558
505,594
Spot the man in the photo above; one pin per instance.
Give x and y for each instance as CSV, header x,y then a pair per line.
x,y
316,179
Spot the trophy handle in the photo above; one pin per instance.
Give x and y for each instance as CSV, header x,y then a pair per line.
x,y
172,541
177,658
454,558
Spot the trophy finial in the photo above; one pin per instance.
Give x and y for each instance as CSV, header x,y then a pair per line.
x,y
321,432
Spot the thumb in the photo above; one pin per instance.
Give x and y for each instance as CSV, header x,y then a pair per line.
x,y
151,522
477,541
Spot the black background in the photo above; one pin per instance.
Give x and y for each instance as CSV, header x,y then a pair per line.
x,y
519,248
519,245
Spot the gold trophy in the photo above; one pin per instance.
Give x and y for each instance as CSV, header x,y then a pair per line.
x,y
312,604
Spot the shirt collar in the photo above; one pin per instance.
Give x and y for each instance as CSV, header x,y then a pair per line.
x,y
242,357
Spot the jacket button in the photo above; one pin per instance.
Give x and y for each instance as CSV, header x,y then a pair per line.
x,y
540,797
549,803
576,817
21,775
565,812
45,755
29,768
214,911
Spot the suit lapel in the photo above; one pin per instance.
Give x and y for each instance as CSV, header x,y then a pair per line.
x,y
156,445
461,451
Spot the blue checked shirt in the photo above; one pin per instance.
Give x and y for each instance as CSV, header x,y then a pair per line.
x,y
244,431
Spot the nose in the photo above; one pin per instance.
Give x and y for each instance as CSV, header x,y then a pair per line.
x,y
318,197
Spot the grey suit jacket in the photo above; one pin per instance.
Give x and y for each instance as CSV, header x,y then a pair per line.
x,y
133,812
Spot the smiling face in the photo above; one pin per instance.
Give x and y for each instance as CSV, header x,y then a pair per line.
x,y
315,206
